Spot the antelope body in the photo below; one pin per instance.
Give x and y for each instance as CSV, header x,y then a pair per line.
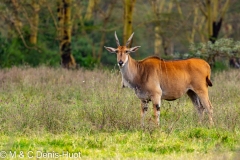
x,y
154,79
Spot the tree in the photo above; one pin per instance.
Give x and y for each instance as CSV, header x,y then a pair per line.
x,y
65,30
34,35
214,12
163,18
157,8
128,18
105,15
195,25
12,17
17,15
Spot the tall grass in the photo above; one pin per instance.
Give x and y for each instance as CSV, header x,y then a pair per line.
x,y
58,101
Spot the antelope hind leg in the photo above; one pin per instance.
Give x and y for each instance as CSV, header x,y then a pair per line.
x,y
197,104
206,104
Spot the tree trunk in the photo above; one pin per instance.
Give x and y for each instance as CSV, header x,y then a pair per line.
x,y
128,15
216,26
168,46
191,36
157,41
34,24
209,17
64,19
157,7
161,41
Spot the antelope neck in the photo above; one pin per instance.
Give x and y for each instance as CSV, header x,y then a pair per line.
x,y
129,70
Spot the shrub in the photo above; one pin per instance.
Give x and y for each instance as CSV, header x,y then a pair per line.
x,y
222,48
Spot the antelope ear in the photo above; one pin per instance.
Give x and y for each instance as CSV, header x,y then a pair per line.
x,y
134,49
110,49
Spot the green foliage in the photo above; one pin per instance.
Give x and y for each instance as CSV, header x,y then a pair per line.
x,y
220,66
82,51
14,53
10,52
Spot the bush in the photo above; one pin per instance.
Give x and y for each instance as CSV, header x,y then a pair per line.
x,y
223,48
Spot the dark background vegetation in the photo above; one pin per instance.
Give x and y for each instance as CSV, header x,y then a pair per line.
x,y
164,28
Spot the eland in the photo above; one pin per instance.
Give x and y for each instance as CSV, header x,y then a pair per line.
x,y
154,79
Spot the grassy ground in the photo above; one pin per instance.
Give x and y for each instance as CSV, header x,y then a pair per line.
x,y
48,112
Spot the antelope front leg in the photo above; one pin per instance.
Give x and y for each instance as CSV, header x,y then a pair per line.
x,y
156,107
144,108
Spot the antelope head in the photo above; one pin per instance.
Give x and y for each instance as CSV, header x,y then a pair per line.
x,y
122,51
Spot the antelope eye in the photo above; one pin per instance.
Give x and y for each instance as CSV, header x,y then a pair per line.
x,y
126,51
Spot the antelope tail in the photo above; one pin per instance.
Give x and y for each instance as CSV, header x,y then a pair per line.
x,y
208,81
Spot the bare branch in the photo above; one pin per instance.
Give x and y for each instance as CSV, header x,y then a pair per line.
x,y
51,13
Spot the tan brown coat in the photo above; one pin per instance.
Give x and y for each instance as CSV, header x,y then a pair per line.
x,y
154,79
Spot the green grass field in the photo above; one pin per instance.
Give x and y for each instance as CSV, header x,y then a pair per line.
x,y
56,113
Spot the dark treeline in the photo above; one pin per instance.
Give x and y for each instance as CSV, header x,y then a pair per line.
x,y
72,32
